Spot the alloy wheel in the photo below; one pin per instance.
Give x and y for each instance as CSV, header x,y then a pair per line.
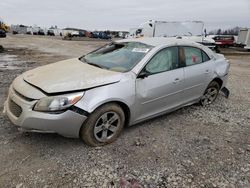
x,y
106,126
209,96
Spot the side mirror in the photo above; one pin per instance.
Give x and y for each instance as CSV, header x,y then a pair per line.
x,y
143,75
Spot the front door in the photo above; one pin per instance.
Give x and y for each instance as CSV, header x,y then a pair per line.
x,y
161,89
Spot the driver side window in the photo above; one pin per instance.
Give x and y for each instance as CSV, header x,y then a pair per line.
x,y
165,60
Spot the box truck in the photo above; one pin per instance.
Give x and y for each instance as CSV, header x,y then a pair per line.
x,y
192,30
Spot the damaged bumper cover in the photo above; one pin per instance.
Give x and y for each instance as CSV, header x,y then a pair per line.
x,y
20,113
225,92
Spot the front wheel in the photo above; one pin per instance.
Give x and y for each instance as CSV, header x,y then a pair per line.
x,y
210,94
103,126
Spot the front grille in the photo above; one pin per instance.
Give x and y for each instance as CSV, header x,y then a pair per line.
x,y
15,109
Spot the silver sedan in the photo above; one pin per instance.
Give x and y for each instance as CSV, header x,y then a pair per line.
x,y
123,83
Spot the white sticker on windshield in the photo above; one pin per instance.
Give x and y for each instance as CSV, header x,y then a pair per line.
x,y
140,50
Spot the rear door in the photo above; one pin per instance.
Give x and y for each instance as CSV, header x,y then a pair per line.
x,y
197,72
161,89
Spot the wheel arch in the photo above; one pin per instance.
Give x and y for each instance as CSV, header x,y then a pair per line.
x,y
218,80
126,111
123,106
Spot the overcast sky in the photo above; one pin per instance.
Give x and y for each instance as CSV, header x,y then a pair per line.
x,y
124,14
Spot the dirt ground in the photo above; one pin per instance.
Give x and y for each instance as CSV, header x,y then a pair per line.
x,y
192,147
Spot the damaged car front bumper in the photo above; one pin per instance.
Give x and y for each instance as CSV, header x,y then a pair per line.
x,y
20,112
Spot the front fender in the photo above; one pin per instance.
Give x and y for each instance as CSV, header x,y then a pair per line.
x,y
123,91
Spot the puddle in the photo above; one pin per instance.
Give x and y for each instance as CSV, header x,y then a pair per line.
x,y
10,62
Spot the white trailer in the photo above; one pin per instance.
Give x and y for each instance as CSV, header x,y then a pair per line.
x,y
192,30
58,32
35,30
29,30
244,38
66,32
171,29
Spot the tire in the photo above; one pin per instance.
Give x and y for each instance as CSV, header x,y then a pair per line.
x,y
210,94
103,126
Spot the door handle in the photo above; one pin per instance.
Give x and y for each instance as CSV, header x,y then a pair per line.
x,y
207,71
176,80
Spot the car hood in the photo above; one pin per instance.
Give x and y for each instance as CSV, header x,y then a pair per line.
x,y
69,75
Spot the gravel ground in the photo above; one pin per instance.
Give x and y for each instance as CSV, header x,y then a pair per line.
x,y
192,147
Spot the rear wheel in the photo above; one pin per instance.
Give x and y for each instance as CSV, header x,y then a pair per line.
x,y
103,126
210,93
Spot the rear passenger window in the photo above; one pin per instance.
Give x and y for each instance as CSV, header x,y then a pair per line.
x,y
193,56
205,57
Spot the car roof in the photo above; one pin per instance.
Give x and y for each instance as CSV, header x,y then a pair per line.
x,y
161,41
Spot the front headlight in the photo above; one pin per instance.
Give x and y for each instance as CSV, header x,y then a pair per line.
x,y
57,103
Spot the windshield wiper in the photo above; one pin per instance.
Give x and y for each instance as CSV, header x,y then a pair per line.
x,y
93,64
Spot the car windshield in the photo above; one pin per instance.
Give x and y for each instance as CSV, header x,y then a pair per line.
x,y
120,57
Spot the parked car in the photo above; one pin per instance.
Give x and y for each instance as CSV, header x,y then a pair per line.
x,y
40,32
100,35
88,34
121,84
75,34
103,35
94,35
224,40
2,33
14,32
50,33
81,34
